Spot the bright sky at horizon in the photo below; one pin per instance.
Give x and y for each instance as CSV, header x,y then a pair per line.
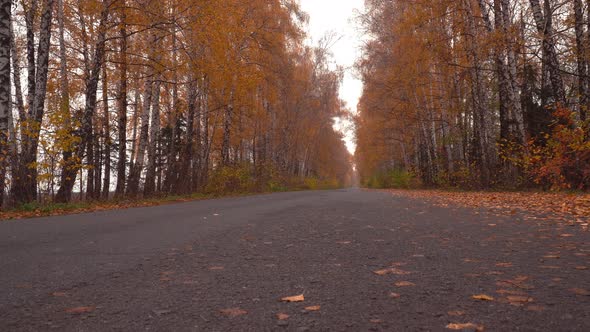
x,y
337,16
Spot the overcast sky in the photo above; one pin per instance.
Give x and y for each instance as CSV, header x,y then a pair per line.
x,y
338,16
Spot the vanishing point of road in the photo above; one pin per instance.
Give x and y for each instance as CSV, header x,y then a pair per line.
x,y
362,260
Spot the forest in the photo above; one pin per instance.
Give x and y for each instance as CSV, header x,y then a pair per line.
x,y
475,94
124,99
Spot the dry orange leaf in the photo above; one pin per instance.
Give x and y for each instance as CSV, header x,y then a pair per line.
x,y
80,310
465,326
394,295
581,268
483,297
504,264
282,316
519,299
233,312
296,298
391,270
456,313
580,291
313,308
404,284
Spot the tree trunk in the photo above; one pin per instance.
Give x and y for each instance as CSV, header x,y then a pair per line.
x,y
24,187
183,184
122,106
135,172
545,28
478,99
582,63
106,188
86,129
68,162
5,102
152,152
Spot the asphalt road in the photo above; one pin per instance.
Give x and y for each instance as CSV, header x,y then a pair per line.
x,y
177,267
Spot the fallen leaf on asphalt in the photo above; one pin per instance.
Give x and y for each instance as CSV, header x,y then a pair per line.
x,y
567,235
465,326
519,299
216,268
313,308
483,297
391,270
80,310
504,264
471,260
394,295
281,316
404,284
581,268
456,313
580,291
233,312
296,298
376,321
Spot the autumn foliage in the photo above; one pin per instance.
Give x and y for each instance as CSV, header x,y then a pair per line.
x,y
475,94
134,98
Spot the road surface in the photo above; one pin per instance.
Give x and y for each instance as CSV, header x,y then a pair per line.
x,y
362,260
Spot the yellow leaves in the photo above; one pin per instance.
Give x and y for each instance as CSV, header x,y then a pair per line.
x,y
296,298
465,326
483,297
233,312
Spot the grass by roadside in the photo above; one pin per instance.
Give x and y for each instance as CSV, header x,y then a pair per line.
x,y
35,210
